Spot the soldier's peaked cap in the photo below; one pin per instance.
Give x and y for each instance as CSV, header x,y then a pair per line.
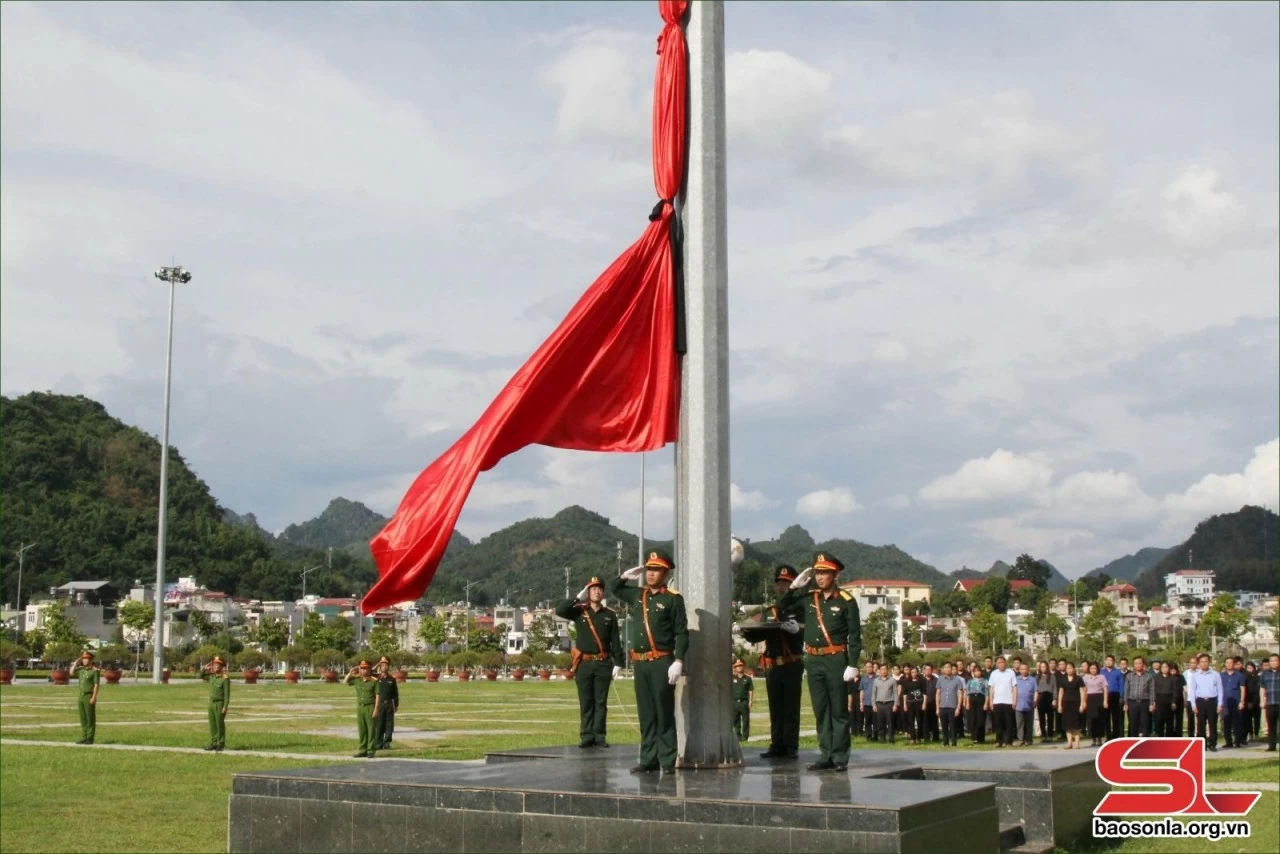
x,y
738,662
383,660
827,562
87,652
595,582
364,663
659,560
785,573
217,659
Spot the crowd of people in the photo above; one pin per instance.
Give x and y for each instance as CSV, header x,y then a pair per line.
x,y
1068,702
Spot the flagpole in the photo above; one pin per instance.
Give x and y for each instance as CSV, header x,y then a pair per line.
x,y
703,698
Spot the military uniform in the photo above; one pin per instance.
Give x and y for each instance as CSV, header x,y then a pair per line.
x,y
388,704
659,640
366,698
88,678
743,693
219,701
833,642
784,676
599,645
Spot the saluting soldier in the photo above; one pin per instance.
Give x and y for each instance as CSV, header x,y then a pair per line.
x,y
386,707
366,707
88,678
744,695
784,673
219,702
833,642
599,646
659,640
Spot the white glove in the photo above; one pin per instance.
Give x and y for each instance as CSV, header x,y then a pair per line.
x,y
582,594
850,674
791,627
802,580
634,573
674,672
616,671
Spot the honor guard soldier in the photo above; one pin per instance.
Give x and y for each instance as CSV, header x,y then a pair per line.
x,y
784,671
599,646
744,694
366,707
659,640
219,702
388,703
832,644
88,678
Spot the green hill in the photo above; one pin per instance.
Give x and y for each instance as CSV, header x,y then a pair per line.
x,y
796,547
1241,548
1129,567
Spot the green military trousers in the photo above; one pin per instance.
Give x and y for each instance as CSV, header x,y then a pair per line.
x,y
656,709
365,727
783,683
593,679
830,698
742,720
384,727
88,718
217,725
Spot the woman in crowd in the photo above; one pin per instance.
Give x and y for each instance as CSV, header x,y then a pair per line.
x,y
976,703
1071,702
1179,697
1045,700
1252,712
1096,702
911,697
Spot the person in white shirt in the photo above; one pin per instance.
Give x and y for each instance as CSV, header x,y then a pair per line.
x,y
1004,694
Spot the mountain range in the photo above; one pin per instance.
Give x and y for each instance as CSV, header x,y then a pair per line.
x,y
1129,567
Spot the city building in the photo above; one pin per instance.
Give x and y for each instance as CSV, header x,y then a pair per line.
x,y
968,584
906,591
1188,583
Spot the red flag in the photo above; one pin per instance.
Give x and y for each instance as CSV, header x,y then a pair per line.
x,y
608,378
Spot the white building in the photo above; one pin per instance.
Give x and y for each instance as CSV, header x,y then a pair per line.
x,y
1248,598
869,603
1196,583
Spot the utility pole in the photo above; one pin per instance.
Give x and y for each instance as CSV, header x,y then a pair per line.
x,y
22,550
172,275
466,620
703,561
566,582
640,550
305,573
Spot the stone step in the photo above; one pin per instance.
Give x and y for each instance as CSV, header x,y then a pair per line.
x,y
1033,848
1011,837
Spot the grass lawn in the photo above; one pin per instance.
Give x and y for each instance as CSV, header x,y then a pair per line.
x,y
68,799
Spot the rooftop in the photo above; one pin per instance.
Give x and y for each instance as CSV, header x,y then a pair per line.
x,y
968,584
1120,588
883,582
84,585
1194,572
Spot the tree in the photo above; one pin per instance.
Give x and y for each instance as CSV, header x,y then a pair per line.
x,y
993,593
939,636
953,603
339,634
543,634
271,632
59,628
1101,626
1044,623
915,608
1056,628
987,629
200,623
878,633
1029,569
1030,598
383,640
1223,621
433,632
140,618
312,631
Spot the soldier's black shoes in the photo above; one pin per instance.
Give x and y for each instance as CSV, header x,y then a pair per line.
x,y
602,744
360,755
210,747
644,769
820,766
585,744
793,754
839,767
81,741
669,769
771,753
218,749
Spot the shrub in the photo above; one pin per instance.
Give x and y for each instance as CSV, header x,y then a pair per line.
x,y
521,662
563,660
203,655
402,659
464,660
543,659
327,659
12,652
114,656
61,654
295,657
251,659
435,660
491,660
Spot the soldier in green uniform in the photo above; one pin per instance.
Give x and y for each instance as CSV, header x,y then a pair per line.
x,y
599,646
386,707
219,702
833,642
88,677
784,671
659,640
744,695
366,707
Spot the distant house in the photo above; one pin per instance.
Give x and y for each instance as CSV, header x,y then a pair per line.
x,y
906,591
1195,583
1125,598
968,584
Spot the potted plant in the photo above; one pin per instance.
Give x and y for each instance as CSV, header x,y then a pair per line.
x,y
543,661
401,661
327,661
294,657
492,662
519,663
564,661
112,658
462,663
60,655
434,661
10,654
251,662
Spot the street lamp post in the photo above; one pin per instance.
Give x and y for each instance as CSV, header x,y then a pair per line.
x,y
22,550
305,573
172,275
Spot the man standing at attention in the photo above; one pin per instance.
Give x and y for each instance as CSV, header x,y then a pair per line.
x,y
1269,698
88,678
950,703
219,702
386,707
1115,696
1025,707
600,645
1232,706
833,642
1002,685
659,640
366,707
1204,692
1140,697
744,694
784,674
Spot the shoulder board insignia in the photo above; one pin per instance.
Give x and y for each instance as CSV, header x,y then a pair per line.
x,y
673,591
846,595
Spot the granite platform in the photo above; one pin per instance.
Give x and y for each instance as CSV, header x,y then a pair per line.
x,y
572,800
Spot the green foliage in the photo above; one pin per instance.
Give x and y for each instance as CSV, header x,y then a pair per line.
x,y
11,652
271,632
521,662
952,603
1131,566
542,634
62,653
988,632
491,659
915,607
59,628
939,636
334,633
138,616
1031,598
1029,569
464,660
1087,588
878,633
433,631
113,656
228,643
383,640
1100,628
435,660
992,593
328,659
402,659
203,655
1241,548
295,656
251,659
1222,621
201,626
796,547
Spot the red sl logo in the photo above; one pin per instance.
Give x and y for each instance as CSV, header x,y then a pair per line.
x,y
1124,762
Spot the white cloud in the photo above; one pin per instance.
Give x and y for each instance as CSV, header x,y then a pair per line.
x,y
890,351
838,501
742,499
599,88
1004,474
771,97
1258,484
1014,536
895,502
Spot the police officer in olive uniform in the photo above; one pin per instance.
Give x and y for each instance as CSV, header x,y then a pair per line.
x,y
744,695
387,706
366,707
88,678
784,674
219,702
659,640
833,642
599,645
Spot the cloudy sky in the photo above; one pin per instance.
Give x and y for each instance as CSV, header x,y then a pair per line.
x,y
1003,278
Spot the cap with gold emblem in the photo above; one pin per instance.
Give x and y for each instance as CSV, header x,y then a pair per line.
x,y
738,662
785,573
217,659
659,560
595,582
364,663
88,653
824,562
383,660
